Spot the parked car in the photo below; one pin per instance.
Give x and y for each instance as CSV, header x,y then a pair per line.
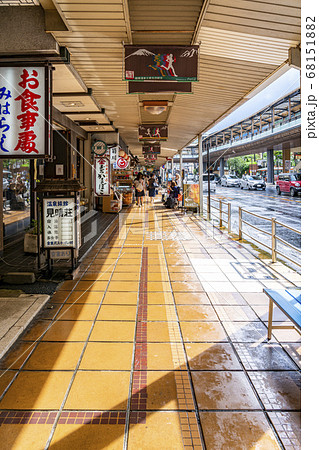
x,y
289,183
252,182
230,180
214,179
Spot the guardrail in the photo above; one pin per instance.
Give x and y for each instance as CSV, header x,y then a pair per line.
x,y
221,212
274,238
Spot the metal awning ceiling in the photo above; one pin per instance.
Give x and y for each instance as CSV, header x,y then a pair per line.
x,y
242,42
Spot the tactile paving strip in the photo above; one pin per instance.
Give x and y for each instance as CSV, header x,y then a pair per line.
x,y
139,387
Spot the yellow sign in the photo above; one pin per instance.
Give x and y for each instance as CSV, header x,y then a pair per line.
x,y
194,192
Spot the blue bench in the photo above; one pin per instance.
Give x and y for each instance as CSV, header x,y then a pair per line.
x,y
289,302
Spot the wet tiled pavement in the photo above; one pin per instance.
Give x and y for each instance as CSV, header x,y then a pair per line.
x,y
159,344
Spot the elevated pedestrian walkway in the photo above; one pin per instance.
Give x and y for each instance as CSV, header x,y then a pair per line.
x,y
160,343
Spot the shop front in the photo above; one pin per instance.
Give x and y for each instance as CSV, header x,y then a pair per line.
x,y
16,196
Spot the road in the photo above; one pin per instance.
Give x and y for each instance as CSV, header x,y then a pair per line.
x,y
284,208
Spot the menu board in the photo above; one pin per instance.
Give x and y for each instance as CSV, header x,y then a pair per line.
x,y
59,220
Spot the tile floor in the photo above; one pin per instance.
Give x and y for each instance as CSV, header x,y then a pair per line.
x,y
159,344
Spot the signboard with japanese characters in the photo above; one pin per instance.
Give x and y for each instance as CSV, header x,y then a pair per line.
x,y
152,132
161,62
59,219
113,153
99,148
24,112
102,175
150,157
122,163
144,87
61,254
146,149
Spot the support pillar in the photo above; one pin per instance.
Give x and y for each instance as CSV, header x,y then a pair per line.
x,y
221,167
88,179
181,174
286,164
181,167
33,197
200,172
208,185
270,166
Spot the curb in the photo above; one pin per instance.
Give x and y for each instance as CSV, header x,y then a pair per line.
x,y
20,313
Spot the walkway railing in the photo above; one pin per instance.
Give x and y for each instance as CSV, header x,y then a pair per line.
x,y
222,212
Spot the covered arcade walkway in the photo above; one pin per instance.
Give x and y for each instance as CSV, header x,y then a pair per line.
x,y
160,343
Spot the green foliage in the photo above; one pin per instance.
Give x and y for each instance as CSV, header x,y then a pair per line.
x,y
238,165
33,229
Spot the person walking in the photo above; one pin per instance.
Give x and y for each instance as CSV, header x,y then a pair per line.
x,y
152,185
139,189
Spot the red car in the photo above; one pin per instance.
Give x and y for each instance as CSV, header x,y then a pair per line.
x,y
289,183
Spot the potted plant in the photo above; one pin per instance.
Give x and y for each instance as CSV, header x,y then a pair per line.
x,y
31,238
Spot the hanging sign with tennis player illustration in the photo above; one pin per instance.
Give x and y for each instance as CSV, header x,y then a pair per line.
x,y
161,62
152,132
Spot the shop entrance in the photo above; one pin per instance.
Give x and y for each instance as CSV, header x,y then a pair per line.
x,y
16,196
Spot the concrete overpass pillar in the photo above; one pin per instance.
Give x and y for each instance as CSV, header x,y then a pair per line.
x,y
270,166
221,167
286,164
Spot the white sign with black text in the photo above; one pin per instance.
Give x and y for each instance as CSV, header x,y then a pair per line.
x,y
59,217
102,174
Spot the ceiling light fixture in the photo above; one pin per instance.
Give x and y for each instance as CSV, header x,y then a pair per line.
x,y
72,103
155,107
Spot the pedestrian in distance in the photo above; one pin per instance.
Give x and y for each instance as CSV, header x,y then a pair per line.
x,y
152,185
139,189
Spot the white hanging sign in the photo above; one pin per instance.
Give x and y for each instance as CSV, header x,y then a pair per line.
x,y
102,176
24,112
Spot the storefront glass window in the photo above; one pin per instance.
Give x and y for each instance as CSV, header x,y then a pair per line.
x,y
16,195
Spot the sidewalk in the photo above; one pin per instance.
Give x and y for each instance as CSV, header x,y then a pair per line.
x,y
159,344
